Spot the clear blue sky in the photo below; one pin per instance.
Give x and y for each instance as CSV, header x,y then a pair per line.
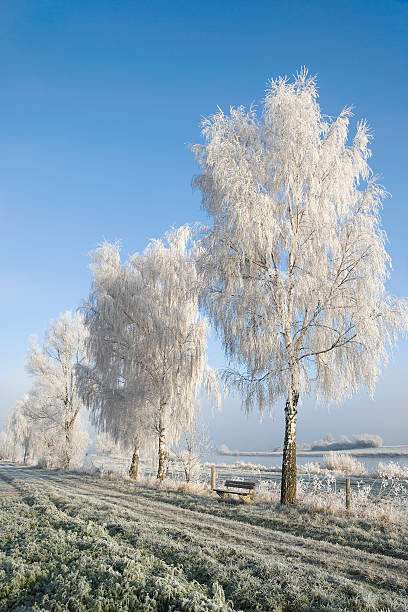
x,y
98,102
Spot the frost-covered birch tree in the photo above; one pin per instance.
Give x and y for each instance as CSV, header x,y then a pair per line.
x,y
147,343
55,404
110,382
19,430
15,440
293,266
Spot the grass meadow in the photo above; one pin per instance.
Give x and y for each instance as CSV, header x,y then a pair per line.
x,y
77,542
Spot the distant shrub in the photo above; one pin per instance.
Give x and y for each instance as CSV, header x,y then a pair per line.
x,y
343,462
224,450
309,468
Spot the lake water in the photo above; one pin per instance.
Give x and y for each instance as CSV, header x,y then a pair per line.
x,y
370,463
147,469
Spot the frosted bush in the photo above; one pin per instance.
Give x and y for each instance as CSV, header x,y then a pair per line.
x,y
384,500
309,468
392,470
267,491
188,463
174,484
343,462
249,466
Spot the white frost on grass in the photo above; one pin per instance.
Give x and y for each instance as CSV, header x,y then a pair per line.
x,y
74,541
54,558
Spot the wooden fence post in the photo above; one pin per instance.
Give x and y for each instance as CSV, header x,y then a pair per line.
x,y
347,493
213,477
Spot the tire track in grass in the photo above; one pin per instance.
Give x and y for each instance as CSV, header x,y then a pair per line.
x,y
206,530
307,550
175,512
64,563
6,488
383,572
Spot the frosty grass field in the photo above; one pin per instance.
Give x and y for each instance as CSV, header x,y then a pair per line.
x,y
77,542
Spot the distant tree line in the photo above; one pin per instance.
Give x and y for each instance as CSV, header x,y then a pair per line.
x,y
346,443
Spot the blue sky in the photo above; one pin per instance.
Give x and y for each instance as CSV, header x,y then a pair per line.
x,y
99,100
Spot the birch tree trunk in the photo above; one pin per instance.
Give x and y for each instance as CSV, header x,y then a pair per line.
x,y
187,472
134,465
163,456
288,483
68,448
25,453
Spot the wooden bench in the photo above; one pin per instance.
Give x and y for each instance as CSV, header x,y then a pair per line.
x,y
246,495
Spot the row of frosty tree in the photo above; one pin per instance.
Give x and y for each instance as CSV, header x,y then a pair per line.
x,y
135,356
291,272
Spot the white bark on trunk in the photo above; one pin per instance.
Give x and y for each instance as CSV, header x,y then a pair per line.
x,y
134,466
163,456
68,449
288,483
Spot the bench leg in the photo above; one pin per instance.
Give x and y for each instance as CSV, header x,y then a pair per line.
x,y
222,495
247,498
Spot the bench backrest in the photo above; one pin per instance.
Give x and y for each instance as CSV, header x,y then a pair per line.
x,y
240,484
